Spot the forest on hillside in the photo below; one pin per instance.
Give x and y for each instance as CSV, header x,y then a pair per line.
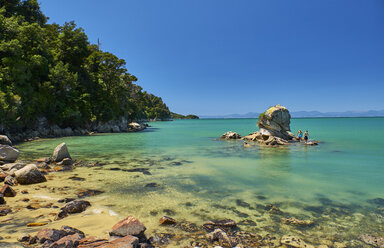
x,y
53,71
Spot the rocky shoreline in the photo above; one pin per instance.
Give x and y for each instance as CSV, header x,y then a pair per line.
x,y
45,130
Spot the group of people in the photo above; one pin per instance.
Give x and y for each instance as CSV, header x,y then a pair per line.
x,y
301,136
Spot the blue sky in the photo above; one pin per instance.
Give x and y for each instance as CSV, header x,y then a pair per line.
x,y
212,57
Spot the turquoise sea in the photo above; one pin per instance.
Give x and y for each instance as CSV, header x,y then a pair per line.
x,y
181,168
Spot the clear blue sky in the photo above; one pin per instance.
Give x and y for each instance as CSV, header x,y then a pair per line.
x,y
223,56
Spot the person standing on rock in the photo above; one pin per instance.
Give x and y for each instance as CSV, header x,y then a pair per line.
x,y
299,135
306,136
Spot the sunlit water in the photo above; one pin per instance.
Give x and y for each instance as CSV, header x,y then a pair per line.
x,y
200,178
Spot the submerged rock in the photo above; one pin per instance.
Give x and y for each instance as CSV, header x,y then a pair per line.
x,y
88,192
293,241
297,222
2,200
373,240
76,206
30,174
60,153
226,224
165,220
8,153
230,135
128,226
220,236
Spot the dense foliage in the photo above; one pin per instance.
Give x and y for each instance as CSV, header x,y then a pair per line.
x,y
52,71
179,116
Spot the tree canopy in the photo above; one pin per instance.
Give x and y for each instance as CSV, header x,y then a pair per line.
x,y
52,71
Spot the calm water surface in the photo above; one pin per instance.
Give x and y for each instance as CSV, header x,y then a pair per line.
x,y
200,177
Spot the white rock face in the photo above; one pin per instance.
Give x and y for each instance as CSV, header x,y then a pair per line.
x,y
135,127
276,122
8,153
30,174
60,153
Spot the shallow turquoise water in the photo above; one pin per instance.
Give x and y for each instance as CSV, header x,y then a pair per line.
x,y
186,158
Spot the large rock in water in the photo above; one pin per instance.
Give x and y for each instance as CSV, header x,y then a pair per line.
x,y
8,153
276,122
60,153
30,174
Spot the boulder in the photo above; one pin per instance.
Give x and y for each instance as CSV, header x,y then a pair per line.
x,y
230,135
30,174
69,241
8,153
49,234
7,191
60,153
73,207
276,122
128,226
4,140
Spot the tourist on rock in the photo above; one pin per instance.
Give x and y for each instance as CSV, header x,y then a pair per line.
x,y
306,136
299,135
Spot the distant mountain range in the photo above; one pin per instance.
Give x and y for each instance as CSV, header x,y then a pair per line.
x,y
304,114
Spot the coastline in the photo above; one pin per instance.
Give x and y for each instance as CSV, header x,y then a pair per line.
x,y
335,221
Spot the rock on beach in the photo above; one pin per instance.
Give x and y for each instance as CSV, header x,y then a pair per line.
x,y
128,226
30,174
61,152
8,153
